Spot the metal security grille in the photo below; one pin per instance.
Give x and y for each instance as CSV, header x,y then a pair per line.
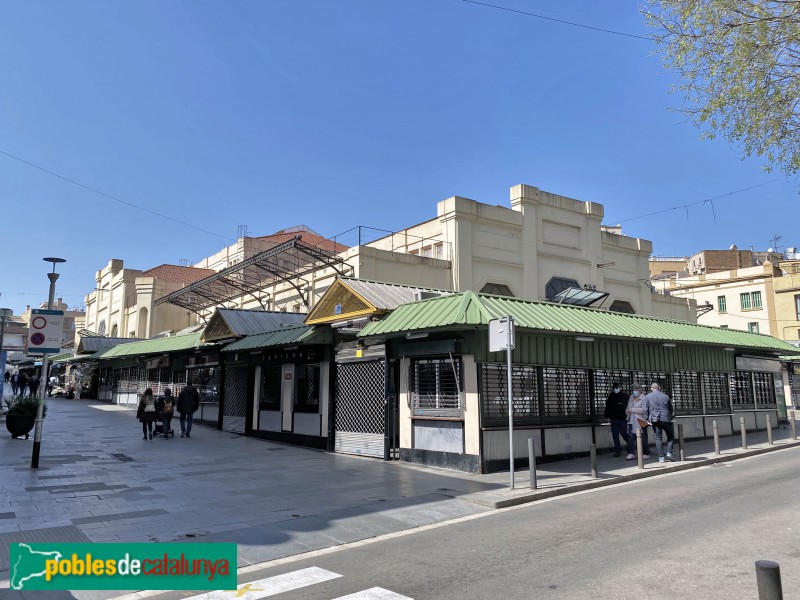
x,y
742,390
494,394
686,398
716,393
306,388
234,407
566,393
435,387
647,378
764,390
602,386
360,413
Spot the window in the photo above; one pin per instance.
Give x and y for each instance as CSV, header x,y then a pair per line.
x,y
101,329
269,392
756,299
427,251
557,285
114,330
752,327
722,304
797,306
494,394
622,306
497,289
744,299
438,250
306,388
435,385
723,326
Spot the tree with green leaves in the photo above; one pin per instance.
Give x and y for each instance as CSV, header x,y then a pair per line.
x,y
739,64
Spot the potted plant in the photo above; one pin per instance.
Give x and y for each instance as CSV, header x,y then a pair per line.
x,y
21,415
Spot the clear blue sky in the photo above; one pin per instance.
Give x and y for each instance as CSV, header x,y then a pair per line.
x,y
337,113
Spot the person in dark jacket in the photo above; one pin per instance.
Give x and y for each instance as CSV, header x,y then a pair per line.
x,y
616,403
23,383
165,405
33,385
146,413
188,403
15,384
658,408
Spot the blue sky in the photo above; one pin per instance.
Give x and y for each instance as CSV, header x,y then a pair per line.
x,y
338,113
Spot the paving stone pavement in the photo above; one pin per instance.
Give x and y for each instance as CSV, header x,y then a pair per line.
x,y
98,481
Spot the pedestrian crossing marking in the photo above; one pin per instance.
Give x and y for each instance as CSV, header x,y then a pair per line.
x,y
375,593
271,586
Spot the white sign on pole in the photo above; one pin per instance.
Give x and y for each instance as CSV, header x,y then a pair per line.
x,y
499,334
44,331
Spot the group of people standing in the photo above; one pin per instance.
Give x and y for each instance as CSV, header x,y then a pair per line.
x,y
630,412
21,384
152,410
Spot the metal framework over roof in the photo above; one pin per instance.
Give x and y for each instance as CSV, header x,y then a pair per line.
x,y
286,263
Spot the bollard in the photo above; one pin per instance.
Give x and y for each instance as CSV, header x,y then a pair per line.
x,y
639,455
716,439
769,430
768,578
593,459
532,463
793,423
743,432
680,442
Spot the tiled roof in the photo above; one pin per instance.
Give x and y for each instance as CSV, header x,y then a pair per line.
x,y
178,274
468,309
308,236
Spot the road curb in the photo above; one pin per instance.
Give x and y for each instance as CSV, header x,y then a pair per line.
x,y
536,495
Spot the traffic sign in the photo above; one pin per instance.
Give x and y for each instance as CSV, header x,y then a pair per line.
x,y
44,331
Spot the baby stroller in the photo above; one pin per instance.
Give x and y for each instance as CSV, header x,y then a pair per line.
x,y
158,428
164,419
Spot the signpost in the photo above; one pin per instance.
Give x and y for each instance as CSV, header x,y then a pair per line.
x,y
501,337
45,330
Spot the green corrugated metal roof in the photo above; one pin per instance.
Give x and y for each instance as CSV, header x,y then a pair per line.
x,y
58,358
307,334
156,346
471,309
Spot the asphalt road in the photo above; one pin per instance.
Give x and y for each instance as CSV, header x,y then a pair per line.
x,y
694,534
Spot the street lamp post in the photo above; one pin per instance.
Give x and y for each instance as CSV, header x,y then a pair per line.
x,y
37,436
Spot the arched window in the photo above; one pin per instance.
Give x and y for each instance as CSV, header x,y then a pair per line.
x,y
497,289
101,329
557,285
622,306
142,325
114,330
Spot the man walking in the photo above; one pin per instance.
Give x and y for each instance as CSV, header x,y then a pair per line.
x,y
658,408
15,383
188,403
616,403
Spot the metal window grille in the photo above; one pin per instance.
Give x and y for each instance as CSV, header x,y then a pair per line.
x,y
741,387
602,386
494,394
269,392
744,298
764,390
756,297
360,397
686,398
566,393
434,387
716,393
178,378
306,388
646,378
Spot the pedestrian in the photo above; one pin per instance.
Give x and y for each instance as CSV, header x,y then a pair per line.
x,y
637,420
51,384
658,407
33,385
8,376
165,405
22,380
188,403
616,403
147,413
15,383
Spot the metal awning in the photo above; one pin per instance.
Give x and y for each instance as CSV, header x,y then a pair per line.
x,y
579,297
284,263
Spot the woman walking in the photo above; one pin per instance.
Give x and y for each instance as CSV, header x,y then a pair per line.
x,y
147,413
636,420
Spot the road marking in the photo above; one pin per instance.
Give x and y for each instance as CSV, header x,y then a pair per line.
x,y
272,586
375,593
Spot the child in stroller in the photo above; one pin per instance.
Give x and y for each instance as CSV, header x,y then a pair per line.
x,y
165,405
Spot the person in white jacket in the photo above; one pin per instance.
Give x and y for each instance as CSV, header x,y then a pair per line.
x,y
635,412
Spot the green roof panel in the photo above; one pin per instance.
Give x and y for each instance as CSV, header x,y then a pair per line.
x,y
470,310
154,346
307,334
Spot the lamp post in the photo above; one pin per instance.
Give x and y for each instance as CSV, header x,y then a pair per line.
x,y
37,436
3,313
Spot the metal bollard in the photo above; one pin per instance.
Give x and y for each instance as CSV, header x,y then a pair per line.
x,y
793,423
768,578
593,459
680,442
532,463
743,432
769,430
639,449
716,438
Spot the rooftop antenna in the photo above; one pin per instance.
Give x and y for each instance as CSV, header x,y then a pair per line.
x,y
183,262
241,231
775,239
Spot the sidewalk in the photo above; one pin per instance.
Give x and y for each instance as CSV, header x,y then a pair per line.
x,y
98,481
